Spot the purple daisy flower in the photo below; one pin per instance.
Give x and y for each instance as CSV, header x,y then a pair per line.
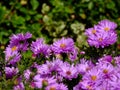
x,y
56,86
52,87
64,45
38,47
106,25
39,81
84,85
93,76
91,31
84,66
20,41
102,35
107,70
115,81
102,39
12,56
20,86
49,67
68,71
45,69
10,72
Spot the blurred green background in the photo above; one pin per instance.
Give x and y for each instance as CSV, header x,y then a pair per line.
x,y
52,19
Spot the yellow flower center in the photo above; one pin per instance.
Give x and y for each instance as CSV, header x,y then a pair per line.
x,y
93,31
93,77
62,45
105,71
14,48
52,88
106,29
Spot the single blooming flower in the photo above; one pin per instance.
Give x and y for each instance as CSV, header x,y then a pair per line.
x,y
56,86
107,25
64,45
12,56
68,71
39,81
20,41
10,72
20,86
84,66
102,39
39,47
91,31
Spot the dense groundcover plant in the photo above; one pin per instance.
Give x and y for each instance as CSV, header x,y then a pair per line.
x,y
58,66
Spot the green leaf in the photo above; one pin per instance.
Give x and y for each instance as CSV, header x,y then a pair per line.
x,y
90,5
110,5
45,8
2,12
34,4
18,20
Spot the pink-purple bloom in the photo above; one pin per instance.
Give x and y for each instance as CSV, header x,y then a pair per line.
x,y
56,86
56,71
20,86
39,47
10,72
84,66
27,74
102,35
20,41
64,45
40,81
107,25
68,71
12,56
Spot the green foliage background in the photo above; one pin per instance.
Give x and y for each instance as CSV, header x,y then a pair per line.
x,y
52,19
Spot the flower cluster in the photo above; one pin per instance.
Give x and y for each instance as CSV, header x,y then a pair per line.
x,y
18,43
58,66
103,34
105,75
